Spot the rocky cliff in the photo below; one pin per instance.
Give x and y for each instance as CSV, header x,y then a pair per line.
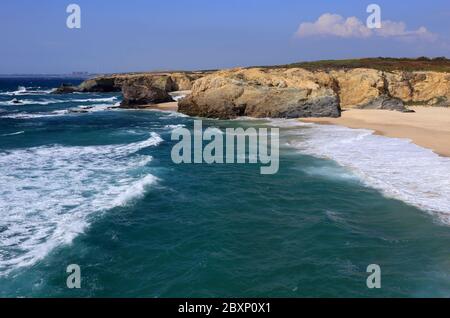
x,y
361,87
297,92
140,91
113,83
315,90
262,93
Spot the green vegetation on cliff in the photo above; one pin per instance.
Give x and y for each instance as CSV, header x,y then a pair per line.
x,y
439,64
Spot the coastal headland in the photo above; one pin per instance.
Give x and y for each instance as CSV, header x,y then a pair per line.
x,y
381,94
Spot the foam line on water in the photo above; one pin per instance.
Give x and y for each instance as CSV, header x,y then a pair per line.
x,y
24,102
396,167
57,113
13,134
22,90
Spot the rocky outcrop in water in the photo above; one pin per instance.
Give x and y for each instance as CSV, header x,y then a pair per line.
x,y
96,85
140,91
177,81
66,89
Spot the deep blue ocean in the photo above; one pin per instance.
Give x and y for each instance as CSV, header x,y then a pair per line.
x,y
81,183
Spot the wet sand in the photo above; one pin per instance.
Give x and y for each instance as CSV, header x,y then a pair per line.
x,y
428,127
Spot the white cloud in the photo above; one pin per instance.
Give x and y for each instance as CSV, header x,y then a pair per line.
x,y
330,24
336,25
398,29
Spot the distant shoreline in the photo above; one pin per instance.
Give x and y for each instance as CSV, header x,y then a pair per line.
x,y
45,76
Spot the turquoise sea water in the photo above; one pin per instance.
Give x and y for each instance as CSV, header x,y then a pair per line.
x,y
99,189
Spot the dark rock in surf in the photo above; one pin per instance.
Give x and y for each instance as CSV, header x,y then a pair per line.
x,y
143,91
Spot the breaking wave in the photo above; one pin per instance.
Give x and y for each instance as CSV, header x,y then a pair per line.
x,y
68,187
396,167
23,102
22,90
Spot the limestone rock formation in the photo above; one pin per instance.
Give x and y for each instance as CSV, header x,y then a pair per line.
x,y
361,87
293,92
277,92
385,102
66,89
142,91
100,85
113,83
184,81
96,85
262,93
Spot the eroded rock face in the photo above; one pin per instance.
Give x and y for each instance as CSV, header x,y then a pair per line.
x,y
385,102
142,91
66,89
100,85
360,87
184,81
96,85
431,88
170,82
276,93
296,92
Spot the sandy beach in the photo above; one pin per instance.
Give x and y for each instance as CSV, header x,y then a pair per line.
x,y
428,127
172,106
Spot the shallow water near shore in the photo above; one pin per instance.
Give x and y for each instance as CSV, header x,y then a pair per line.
x,y
98,188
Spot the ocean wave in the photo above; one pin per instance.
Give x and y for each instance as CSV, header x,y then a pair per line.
x,y
169,114
396,167
62,112
23,102
68,187
22,115
22,90
134,191
330,172
173,127
27,115
13,134
94,100
177,96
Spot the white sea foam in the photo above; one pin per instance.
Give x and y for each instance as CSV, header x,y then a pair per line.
x,y
61,112
49,194
22,90
55,113
13,134
173,127
396,167
94,100
93,108
49,101
134,191
171,114
330,172
23,102
177,96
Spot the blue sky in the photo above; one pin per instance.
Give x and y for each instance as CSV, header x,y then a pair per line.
x,y
138,35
